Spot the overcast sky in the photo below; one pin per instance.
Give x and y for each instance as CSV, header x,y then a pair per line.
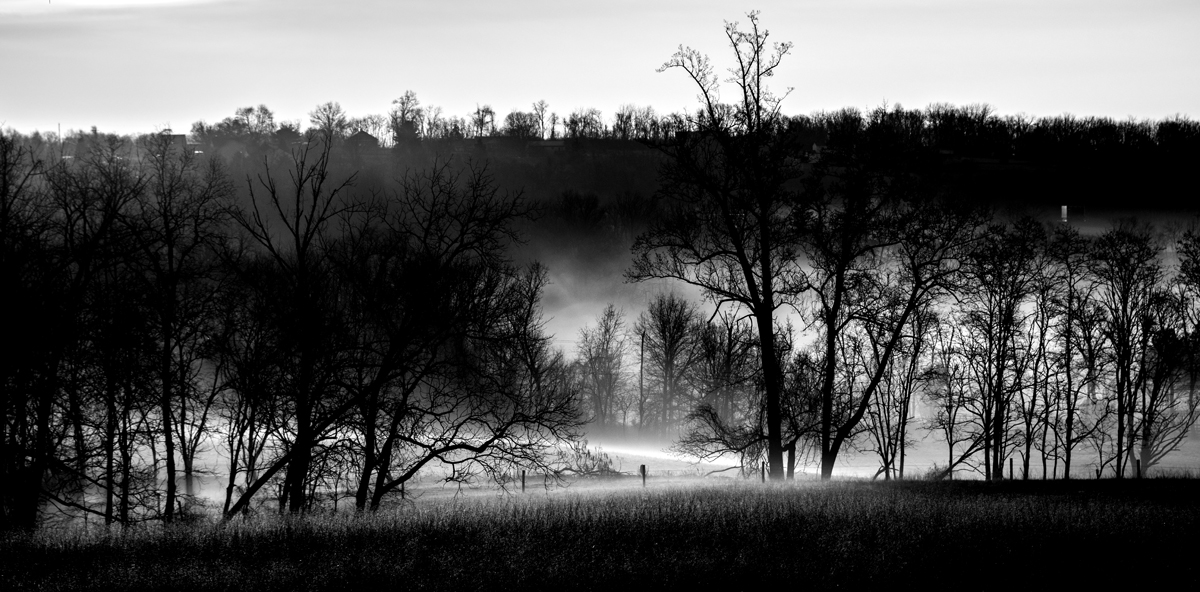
x,y
140,65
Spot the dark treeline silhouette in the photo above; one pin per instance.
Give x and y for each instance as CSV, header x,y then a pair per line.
x,y
876,244
331,310
304,325
1037,344
321,340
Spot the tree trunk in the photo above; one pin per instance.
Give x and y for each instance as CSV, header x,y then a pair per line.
x,y
165,375
791,461
189,475
295,495
384,462
80,476
369,427
774,381
126,461
110,437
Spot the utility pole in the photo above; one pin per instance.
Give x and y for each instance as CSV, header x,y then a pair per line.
x,y
642,381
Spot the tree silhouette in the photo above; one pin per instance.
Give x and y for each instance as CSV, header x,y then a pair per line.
x,y
329,119
1126,264
669,329
730,226
601,359
181,218
291,222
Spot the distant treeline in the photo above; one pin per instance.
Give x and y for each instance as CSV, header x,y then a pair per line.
x,y
1059,160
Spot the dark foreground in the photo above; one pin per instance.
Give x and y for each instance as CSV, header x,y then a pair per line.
x,y
965,535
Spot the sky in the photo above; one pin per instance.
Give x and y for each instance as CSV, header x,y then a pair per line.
x,y
131,66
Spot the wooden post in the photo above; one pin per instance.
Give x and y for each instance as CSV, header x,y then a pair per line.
x,y
642,470
1139,467
1010,470
762,471
522,480
791,474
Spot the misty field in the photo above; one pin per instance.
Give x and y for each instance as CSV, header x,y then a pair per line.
x,y
731,534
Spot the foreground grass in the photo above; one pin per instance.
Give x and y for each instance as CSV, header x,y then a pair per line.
x,y
734,535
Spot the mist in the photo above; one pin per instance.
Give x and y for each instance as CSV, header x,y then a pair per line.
x,y
510,307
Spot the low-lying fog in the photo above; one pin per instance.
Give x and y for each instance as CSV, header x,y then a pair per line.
x,y
585,276
668,468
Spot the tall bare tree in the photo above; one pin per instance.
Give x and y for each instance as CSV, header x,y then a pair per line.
x,y
730,228
290,221
540,114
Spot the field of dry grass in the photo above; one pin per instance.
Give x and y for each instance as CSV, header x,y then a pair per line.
x,y
676,534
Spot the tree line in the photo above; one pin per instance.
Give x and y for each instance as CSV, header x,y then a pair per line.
x,y
329,338
1029,342
321,341
974,131
1036,344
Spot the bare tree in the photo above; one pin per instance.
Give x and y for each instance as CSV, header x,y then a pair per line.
x,y
27,372
1125,262
520,124
725,365
249,373
730,227
407,118
646,124
601,359
1035,400
539,113
430,289
1167,402
890,415
435,124
483,121
669,325
734,422
290,222
180,217
881,251
584,123
64,238
623,122
1000,278
329,119
946,389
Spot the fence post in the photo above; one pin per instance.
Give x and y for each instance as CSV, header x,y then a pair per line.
x,y
642,470
1010,471
762,472
522,480
1139,467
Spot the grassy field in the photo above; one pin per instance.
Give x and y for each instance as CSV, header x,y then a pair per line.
x,y
732,534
